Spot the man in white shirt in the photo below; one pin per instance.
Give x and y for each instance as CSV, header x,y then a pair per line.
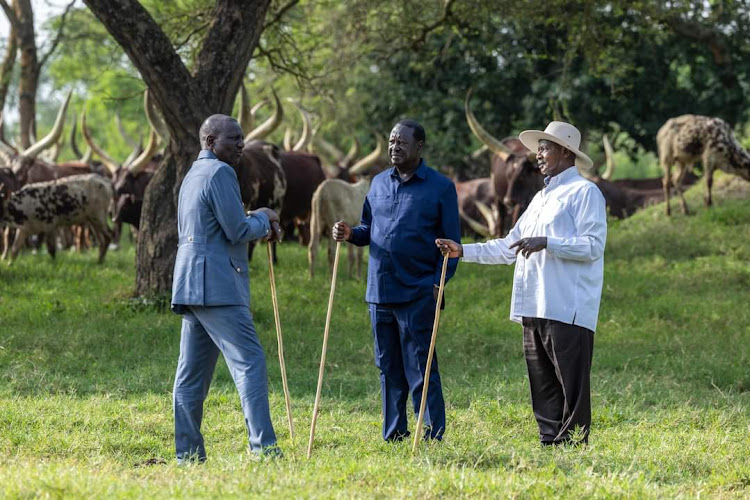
x,y
557,284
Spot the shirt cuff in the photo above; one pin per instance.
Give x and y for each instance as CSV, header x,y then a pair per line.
x,y
263,220
470,252
553,245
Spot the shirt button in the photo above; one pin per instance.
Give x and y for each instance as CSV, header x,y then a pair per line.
x,y
190,238
238,269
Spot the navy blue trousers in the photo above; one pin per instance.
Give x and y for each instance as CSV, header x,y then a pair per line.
x,y
402,341
206,331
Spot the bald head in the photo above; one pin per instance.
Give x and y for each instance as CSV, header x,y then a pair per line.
x,y
213,125
223,136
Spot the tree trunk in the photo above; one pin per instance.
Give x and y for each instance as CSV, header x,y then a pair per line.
x,y
29,78
185,100
6,70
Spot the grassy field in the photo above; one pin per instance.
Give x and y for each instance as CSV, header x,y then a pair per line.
x,y
87,373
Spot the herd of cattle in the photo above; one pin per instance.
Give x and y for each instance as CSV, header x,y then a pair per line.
x,y
311,183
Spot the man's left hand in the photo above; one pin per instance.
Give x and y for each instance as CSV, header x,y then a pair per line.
x,y
527,246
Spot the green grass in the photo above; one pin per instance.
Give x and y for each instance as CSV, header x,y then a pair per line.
x,y
86,375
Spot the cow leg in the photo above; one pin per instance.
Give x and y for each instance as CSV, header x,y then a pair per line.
x,y
116,235
250,248
50,239
103,236
17,244
665,186
6,242
330,253
678,187
312,250
708,166
360,255
350,257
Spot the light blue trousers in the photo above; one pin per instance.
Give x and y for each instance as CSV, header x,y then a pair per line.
x,y
206,331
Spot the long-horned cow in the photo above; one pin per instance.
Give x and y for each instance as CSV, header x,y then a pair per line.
x,y
683,140
44,206
514,173
26,165
130,178
336,200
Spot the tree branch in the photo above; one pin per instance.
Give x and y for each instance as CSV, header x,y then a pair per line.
x,y
58,36
10,14
280,13
431,27
161,68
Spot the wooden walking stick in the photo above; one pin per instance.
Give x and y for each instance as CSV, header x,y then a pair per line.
x,y
325,346
280,341
428,369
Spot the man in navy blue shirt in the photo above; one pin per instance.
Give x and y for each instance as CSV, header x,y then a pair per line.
x,y
407,207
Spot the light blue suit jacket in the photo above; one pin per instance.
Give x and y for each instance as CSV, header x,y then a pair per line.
x,y
211,265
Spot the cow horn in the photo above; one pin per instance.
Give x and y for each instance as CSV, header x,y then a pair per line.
x,y
73,141
54,134
120,128
335,153
111,164
352,154
268,126
254,109
52,153
137,150
363,165
244,115
287,139
489,215
480,133
306,138
154,119
86,158
476,226
139,163
609,154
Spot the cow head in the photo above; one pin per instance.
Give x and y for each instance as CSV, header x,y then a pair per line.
x,y
21,162
514,171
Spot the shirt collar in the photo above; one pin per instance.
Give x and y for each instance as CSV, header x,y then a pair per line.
x,y
562,177
207,154
420,173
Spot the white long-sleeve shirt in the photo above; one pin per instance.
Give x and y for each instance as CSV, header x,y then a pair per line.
x,y
564,281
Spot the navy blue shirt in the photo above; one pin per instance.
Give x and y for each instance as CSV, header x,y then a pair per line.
x,y
400,221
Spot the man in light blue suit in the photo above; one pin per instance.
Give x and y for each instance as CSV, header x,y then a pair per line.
x,y
211,290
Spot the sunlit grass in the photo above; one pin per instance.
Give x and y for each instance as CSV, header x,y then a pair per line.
x,y
87,373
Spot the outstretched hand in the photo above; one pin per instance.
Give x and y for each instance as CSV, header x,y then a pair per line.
x,y
527,246
449,247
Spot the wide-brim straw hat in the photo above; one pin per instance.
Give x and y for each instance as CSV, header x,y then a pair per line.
x,y
564,134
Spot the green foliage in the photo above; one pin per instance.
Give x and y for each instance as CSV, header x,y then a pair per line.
x,y
359,66
86,400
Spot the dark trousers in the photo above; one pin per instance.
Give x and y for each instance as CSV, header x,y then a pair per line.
x,y
558,358
402,335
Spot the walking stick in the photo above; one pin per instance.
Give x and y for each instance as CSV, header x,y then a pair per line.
x,y
325,346
280,341
428,369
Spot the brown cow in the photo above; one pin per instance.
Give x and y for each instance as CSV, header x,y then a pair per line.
x,y
514,172
469,192
303,173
